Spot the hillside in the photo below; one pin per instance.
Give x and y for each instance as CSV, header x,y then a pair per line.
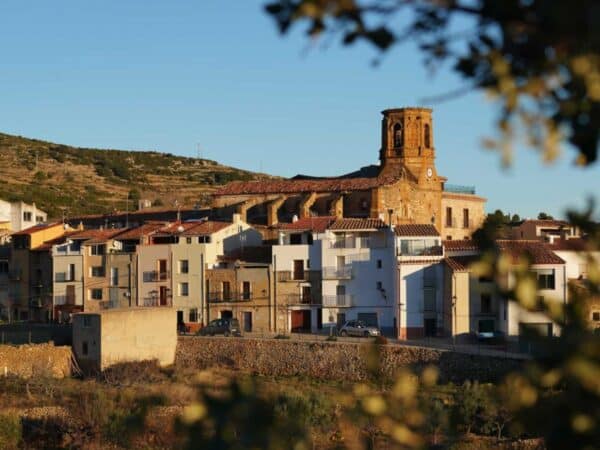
x,y
93,181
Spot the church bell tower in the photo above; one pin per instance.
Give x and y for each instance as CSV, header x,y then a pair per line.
x,y
407,141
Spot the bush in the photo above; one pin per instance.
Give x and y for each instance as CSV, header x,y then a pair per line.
x,y
11,431
282,336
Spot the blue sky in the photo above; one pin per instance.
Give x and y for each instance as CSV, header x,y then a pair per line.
x,y
167,75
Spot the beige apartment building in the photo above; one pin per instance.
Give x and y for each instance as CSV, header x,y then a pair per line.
x,y
173,260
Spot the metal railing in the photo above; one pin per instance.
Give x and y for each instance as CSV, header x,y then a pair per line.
x,y
288,275
155,301
337,273
154,276
299,299
338,300
233,297
343,243
459,189
64,300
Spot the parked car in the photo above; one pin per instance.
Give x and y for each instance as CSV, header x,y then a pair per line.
x,y
358,328
226,327
490,337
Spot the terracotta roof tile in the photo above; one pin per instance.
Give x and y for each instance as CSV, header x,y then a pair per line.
x,y
550,222
357,224
539,252
463,245
36,228
206,227
416,230
460,263
304,185
97,235
138,232
573,245
316,224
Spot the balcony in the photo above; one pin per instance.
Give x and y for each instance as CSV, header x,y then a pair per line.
x,y
338,301
299,299
233,297
420,247
63,277
154,301
287,275
337,273
63,300
458,189
343,243
154,276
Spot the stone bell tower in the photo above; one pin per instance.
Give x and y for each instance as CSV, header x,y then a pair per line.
x,y
407,141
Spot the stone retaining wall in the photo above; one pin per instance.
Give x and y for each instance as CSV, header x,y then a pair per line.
x,y
333,360
40,360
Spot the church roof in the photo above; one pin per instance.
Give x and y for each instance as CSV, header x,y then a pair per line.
x,y
357,224
305,185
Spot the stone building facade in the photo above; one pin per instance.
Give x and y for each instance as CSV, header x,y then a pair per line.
x,y
404,189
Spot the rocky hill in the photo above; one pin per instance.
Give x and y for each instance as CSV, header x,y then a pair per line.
x,y
93,181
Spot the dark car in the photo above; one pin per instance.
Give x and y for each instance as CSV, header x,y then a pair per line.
x,y
226,327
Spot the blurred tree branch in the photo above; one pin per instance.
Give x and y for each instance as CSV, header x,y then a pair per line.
x,y
539,60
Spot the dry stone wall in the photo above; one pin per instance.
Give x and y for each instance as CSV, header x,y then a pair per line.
x,y
40,360
333,360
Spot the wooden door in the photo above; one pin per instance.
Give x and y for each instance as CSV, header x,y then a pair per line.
x,y
298,269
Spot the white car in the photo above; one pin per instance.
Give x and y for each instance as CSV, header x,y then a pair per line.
x,y
358,328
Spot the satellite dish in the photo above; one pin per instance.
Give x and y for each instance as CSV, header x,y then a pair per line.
x,y
295,218
180,228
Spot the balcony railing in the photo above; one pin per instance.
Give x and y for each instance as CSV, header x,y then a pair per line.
x,y
458,189
233,297
64,277
63,300
153,276
288,275
343,243
338,301
299,299
155,301
337,273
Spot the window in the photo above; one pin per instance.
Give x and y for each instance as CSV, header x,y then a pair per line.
x,y
188,240
184,266
545,278
379,286
465,218
71,274
486,304
427,137
84,348
398,135
99,249
27,216
87,321
97,271
246,294
296,239
96,294
448,238
183,289
226,291
193,315
39,219
3,266
596,316
364,204
448,216
379,264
